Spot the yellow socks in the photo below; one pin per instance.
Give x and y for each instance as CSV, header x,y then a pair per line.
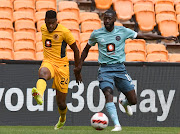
x,y
62,114
41,86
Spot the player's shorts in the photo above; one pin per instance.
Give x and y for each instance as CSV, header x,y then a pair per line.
x,y
115,75
60,73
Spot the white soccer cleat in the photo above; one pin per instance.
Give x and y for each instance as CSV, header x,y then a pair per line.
x,y
117,128
127,108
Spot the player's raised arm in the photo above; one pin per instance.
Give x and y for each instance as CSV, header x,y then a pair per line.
x,y
154,37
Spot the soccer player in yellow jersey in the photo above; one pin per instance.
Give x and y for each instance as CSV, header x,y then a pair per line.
x,y
55,38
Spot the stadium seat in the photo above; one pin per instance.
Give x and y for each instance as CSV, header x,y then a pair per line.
x,y
167,2
6,36
25,25
39,46
67,16
45,6
176,2
4,15
38,37
124,9
142,7
138,48
89,26
103,4
72,26
178,20
40,16
6,25
141,42
6,55
5,44
168,28
131,57
27,6
163,7
39,56
69,6
177,8
39,24
89,16
157,57
175,57
6,6
23,46
22,15
156,48
84,37
24,36
118,24
24,55
165,16
146,20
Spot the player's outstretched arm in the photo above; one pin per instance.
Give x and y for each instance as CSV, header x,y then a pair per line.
x,y
76,60
84,54
154,37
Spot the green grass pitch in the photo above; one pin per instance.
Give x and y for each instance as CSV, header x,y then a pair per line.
x,y
86,130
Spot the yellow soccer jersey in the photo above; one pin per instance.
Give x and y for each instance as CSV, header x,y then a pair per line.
x,y
54,44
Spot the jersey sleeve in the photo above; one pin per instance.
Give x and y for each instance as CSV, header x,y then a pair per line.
x,y
130,34
69,38
92,40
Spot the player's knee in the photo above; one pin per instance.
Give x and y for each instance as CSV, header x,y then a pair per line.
x,y
108,92
43,74
62,105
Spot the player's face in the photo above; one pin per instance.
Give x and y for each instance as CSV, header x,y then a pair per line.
x,y
51,24
109,20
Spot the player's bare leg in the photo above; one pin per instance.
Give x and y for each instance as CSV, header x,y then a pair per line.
x,y
131,100
111,109
37,93
62,108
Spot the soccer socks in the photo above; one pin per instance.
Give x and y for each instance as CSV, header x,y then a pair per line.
x,y
41,86
111,109
125,102
62,114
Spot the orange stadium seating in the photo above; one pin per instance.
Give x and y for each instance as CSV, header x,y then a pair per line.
x,y
39,56
27,6
22,15
89,16
130,57
4,15
6,25
157,57
6,55
24,36
45,5
67,16
124,9
89,26
39,46
38,37
24,46
175,57
24,55
40,16
103,4
6,36
6,6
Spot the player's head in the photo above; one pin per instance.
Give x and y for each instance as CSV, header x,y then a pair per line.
x,y
51,20
109,19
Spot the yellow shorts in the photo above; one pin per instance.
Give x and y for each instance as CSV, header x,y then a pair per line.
x,y
60,73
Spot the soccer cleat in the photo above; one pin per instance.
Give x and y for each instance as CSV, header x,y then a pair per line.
x,y
127,108
117,128
59,125
37,96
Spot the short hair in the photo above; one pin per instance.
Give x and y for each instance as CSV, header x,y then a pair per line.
x,y
111,11
50,14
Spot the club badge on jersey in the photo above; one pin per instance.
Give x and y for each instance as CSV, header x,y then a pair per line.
x,y
48,43
110,48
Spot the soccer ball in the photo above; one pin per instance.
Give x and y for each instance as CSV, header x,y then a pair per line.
x,y
99,121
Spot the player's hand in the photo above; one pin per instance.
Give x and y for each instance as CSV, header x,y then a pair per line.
x,y
77,73
171,38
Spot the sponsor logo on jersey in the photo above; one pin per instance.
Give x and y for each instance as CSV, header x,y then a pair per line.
x,y
48,43
110,47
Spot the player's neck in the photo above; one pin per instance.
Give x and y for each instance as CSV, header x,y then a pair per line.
x,y
110,29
